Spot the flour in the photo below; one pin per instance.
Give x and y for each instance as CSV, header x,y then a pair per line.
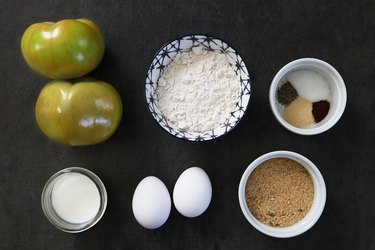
x,y
198,90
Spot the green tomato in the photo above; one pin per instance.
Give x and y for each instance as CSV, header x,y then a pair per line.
x,y
87,112
63,50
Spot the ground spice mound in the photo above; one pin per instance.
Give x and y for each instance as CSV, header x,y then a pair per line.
x,y
299,113
286,93
279,192
320,110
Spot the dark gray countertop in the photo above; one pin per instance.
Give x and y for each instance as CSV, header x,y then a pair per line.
x,y
268,34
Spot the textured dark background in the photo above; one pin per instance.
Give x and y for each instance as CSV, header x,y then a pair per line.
x,y
268,34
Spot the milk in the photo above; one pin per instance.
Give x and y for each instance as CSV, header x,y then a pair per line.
x,y
75,198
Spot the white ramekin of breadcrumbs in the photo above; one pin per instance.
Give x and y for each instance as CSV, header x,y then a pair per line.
x,y
282,194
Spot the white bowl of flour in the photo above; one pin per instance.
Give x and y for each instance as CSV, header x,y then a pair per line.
x,y
197,88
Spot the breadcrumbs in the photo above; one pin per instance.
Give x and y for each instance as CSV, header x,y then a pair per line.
x,y
279,192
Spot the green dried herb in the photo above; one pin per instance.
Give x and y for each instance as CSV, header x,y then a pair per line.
x,y
270,213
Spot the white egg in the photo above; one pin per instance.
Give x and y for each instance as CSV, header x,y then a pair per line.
x,y
192,192
151,203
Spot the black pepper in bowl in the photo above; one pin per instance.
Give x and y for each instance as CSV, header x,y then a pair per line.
x,y
286,93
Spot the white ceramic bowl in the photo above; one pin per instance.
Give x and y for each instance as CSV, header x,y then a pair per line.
x,y
183,44
311,217
335,82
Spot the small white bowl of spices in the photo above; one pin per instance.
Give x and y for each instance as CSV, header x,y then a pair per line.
x,y
197,87
308,96
282,194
